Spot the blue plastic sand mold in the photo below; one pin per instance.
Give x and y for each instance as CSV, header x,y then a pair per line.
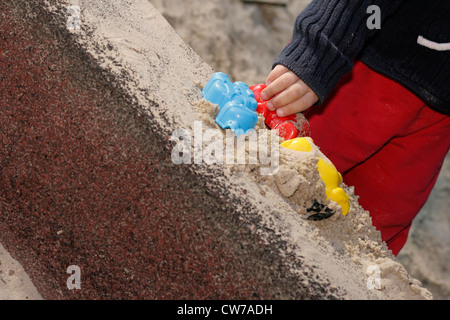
x,y
236,101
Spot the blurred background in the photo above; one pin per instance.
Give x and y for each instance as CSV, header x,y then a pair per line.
x,y
242,38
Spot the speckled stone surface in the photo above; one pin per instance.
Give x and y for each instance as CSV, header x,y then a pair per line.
x,y
86,180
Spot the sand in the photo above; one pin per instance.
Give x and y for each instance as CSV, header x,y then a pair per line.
x,y
352,236
15,284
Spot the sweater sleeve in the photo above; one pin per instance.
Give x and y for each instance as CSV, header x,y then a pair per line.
x,y
327,36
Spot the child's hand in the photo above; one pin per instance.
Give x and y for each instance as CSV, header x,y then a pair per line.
x,y
288,93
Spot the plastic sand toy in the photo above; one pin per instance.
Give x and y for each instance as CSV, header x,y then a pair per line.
x,y
332,179
328,173
297,144
289,127
236,101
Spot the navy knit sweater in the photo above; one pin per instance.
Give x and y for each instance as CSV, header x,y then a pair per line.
x,y
412,46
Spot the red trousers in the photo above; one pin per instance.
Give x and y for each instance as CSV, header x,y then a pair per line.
x,y
386,143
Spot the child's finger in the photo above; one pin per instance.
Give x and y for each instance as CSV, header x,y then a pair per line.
x,y
278,85
278,71
300,105
291,94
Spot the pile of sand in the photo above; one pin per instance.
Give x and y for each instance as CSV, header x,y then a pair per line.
x,y
352,236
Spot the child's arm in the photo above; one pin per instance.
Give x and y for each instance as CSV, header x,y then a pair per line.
x,y
327,37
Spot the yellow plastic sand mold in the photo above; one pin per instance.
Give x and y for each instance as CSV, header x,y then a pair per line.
x,y
332,179
327,171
